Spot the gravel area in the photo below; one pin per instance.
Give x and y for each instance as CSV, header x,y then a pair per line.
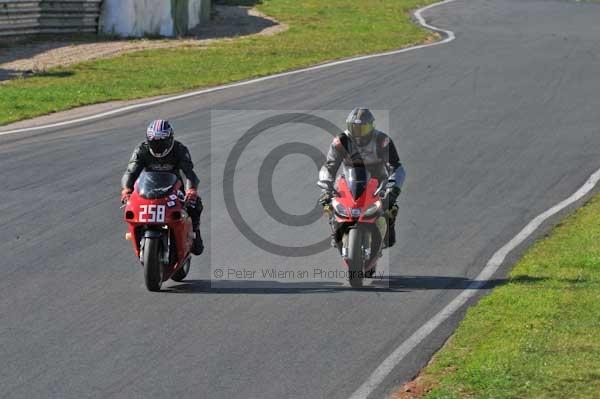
x,y
23,59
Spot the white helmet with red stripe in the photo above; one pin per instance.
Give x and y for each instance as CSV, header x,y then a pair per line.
x,y
160,138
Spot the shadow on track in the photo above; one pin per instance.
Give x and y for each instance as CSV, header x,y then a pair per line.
x,y
385,284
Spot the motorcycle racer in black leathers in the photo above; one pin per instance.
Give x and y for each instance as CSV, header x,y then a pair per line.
x,y
160,152
362,145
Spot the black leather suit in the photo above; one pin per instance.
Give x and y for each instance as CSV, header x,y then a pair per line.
x,y
176,161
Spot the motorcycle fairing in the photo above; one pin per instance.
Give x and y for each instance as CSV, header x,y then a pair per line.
x,y
365,200
176,220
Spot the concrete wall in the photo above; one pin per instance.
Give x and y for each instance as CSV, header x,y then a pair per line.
x,y
136,18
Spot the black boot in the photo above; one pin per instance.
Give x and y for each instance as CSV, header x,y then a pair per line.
x,y
392,235
198,245
194,211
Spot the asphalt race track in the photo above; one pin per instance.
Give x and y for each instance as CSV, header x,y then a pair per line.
x,y
493,129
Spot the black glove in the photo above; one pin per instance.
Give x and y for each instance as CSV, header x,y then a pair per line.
x,y
390,197
325,198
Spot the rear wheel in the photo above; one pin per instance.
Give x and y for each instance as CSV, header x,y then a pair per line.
x,y
182,272
355,258
153,263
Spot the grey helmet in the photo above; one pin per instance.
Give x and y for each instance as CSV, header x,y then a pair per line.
x,y
361,124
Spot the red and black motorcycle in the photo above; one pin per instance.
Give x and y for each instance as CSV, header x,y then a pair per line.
x,y
359,222
160,229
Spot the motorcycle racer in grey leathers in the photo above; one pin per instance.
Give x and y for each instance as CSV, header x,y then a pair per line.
x,y
363,145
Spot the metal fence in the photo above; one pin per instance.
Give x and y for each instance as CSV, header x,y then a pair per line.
x,y
29,17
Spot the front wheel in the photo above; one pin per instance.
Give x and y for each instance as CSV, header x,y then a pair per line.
x,y
355,258
153,263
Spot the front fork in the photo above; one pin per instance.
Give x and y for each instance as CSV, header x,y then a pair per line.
x,y
164,236
381,225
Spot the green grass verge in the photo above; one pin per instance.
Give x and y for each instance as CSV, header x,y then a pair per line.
x,y
318,31
538,336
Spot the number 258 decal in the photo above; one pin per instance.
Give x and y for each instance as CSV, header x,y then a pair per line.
x,y
152,213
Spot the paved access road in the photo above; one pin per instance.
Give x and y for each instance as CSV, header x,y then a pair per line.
x,y
493,128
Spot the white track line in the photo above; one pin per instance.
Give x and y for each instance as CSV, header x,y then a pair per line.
x,y
492,266
449,36
486,274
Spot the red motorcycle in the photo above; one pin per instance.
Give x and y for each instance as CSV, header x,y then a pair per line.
x,y
160,229
359,222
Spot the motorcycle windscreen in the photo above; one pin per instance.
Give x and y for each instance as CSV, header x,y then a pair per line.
x,y
357,179
153,185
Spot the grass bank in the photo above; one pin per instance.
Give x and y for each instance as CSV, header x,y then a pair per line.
x,y
318,31
538,336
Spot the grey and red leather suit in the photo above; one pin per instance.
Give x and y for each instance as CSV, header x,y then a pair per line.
x,y
379,156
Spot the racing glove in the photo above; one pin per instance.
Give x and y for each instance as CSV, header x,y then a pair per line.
x,y
125,194
191,196
325,198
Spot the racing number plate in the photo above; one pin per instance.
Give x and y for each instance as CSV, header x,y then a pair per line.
x,y
152,213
